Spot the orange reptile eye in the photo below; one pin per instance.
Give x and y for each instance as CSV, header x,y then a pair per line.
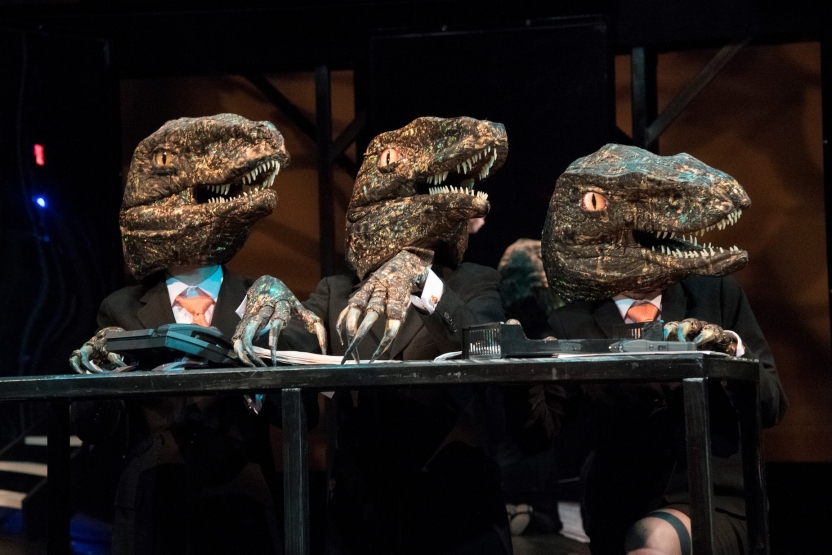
x,y
388,157
593,202
163,158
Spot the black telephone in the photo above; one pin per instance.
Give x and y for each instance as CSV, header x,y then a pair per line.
x,y
148,349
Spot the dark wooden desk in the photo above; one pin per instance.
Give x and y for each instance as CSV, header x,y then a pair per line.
x,y
692,369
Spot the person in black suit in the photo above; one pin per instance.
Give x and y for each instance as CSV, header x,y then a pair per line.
x,y
199,473
640,462
411,472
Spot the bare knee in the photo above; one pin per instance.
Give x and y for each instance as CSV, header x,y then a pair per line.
x,y
652,535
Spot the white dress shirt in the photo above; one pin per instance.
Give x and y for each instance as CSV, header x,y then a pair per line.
x,y
210,287
431,293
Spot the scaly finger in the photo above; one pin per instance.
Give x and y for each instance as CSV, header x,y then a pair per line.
x,y
669,331
75,362
86,353
248,346
340,322
685,328
352,323
320,331
274,334
707,335
116,359
390,332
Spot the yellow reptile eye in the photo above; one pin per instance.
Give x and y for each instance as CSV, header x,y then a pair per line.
x,y
593,202
163,158
388,157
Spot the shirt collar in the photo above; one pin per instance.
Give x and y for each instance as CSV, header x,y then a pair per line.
x,y
210,286
623,302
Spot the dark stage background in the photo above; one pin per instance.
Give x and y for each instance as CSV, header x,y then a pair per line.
x,y
89,80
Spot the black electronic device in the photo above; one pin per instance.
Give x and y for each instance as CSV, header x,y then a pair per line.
x,y
502,340
148,349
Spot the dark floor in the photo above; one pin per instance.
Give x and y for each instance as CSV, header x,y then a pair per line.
x,y
548,544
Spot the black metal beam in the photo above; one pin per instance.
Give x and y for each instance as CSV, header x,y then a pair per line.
x,y
826,106
326,201
699,82
632,368
700,481
644,95
295,473
57,484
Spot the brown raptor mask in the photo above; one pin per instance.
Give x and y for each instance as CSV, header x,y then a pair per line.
x,y
626,220
195,188
416,188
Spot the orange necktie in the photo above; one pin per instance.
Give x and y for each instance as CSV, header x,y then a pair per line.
x,y
197,307
644,312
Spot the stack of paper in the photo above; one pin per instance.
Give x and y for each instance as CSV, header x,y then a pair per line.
x,y
298,357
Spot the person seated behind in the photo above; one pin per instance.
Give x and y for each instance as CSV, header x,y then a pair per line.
x,y
608,250
412,472
198,472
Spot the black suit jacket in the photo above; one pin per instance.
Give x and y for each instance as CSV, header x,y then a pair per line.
x,y
180,453
641,456
412,472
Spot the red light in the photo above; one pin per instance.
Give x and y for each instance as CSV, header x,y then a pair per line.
x,y
39,155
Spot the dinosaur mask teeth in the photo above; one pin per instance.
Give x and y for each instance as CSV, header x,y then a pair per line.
x,y
260,178
687,245
472,169
462,190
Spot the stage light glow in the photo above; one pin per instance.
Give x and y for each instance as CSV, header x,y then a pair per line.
x,y
40,201
39,155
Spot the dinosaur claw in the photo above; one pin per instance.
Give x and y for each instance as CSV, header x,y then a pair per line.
x,y
359,335
352,323
390,332
320,331
340,323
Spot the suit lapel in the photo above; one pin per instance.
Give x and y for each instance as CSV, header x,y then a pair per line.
x,y
156,310
674,303
232,292
607,316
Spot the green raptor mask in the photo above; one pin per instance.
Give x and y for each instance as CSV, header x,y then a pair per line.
x,y
416,188
626,220
195,188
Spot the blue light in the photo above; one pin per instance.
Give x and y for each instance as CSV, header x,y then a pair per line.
x,y
40,201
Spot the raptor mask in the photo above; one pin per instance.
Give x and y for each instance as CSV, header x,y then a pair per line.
x,y
195,188
416,188
625,220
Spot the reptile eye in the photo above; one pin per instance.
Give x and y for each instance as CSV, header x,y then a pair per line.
x,y
163,158
593,202
388,157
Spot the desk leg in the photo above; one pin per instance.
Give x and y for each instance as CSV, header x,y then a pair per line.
x,y
58,478
753,470
698,427
295,474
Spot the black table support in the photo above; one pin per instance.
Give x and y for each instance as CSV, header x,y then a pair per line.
x,y
57,484
754,470
700,482
692,369
295,473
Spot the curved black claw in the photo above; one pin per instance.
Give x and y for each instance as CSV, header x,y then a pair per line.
x,y
390,331
358,336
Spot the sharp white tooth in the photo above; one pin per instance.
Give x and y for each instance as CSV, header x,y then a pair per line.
x,y
445,175
672,235
653,248
485,196
711,251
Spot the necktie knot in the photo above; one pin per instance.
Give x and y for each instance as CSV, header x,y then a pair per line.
x,y
642,312
197,306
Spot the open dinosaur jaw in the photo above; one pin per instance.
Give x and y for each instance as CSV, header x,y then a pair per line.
x,y
460,174
682,249
260,178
